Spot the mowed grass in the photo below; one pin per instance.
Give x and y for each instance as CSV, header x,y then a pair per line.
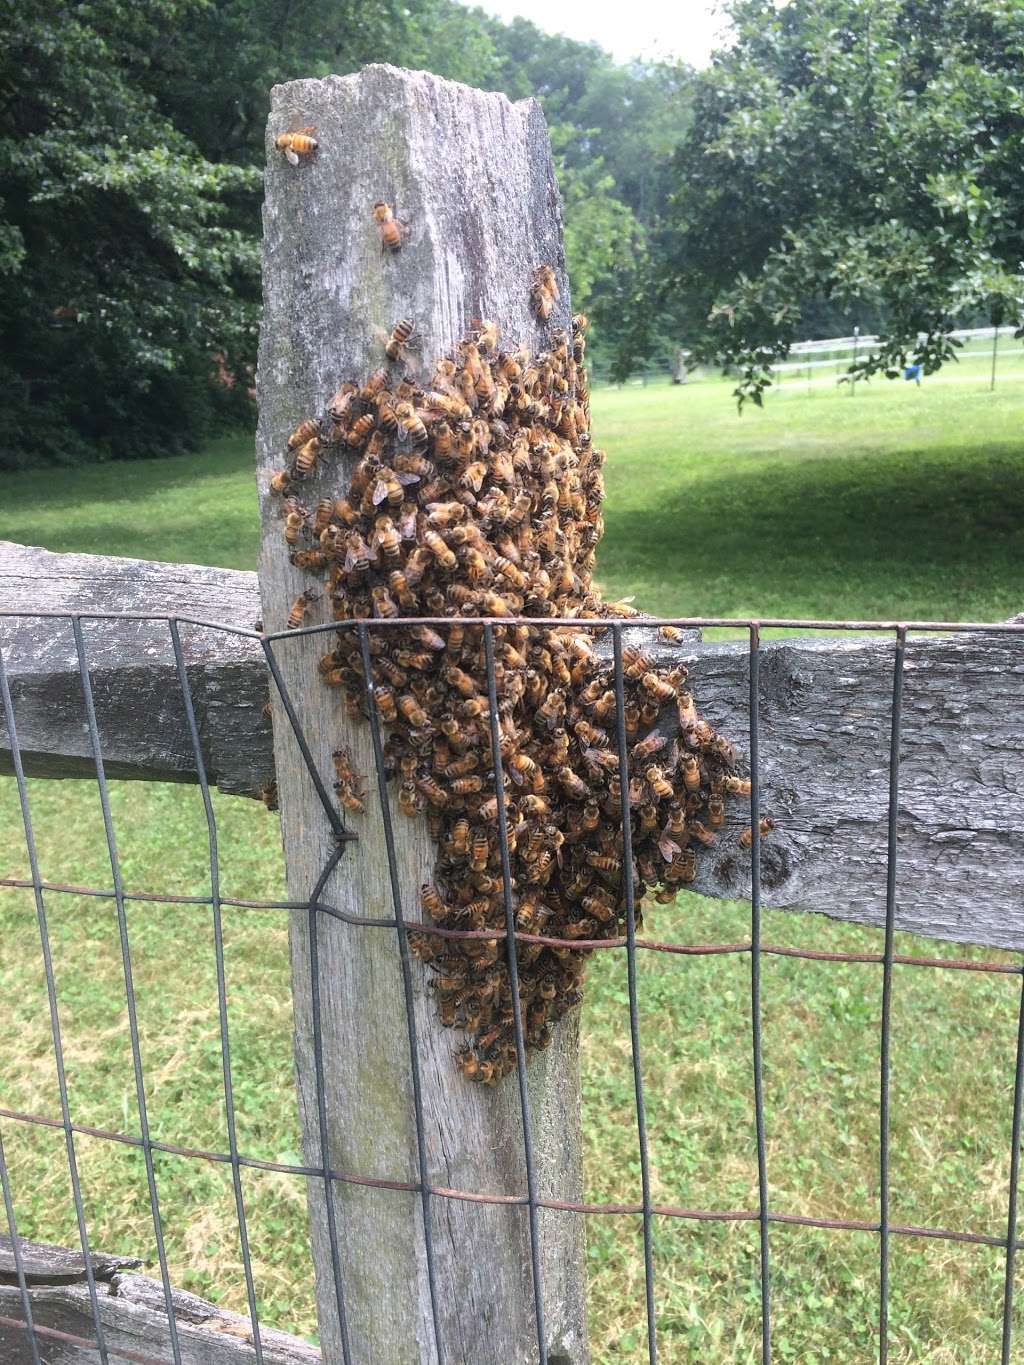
x,y
897,502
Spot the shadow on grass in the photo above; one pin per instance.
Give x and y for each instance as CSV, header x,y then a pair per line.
x,y
845,535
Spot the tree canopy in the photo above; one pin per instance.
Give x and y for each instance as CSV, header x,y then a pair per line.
x,y
131,142
839,159
861,153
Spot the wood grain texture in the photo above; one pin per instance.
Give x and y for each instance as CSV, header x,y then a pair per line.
x,y
472,175
825,708
824,739
132,1315
139,708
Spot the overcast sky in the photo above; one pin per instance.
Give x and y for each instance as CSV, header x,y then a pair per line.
x,y
627,28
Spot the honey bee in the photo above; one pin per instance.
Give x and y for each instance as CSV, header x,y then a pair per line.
x,y
445,514
300,609
308,430
683,867
658,689
444,556
294,525
306,458
659,783
383,603
357,557
430,899
765,827
716,810
464,785
479,850
409,799
359,432
648,747
351,799
636,662
338,406
543,292
281,481
296,145
604,862
427,637
412,424
398,342
312,560
410,709
375,385
391,231
391,486
432,790
386,705
737,786
691,773
342,760
322,515
486,334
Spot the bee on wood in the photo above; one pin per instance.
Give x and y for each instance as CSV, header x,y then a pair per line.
x,y
543,292
485,334
412,424
398,342
295,523
384,605
312,560
297,145
308,430
359,432
765,827
392,232
300,609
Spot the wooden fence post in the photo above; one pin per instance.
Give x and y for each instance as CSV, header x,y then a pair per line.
x,y
471,174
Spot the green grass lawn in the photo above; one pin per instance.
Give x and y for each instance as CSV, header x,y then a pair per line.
x,y
895,502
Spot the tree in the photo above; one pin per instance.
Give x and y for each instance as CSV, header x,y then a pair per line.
x,y
860,151
131,141
129,296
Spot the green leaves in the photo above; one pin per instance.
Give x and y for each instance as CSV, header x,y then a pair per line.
x,y
859,151
133,271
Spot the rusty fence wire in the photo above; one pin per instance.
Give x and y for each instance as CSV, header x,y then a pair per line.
x,y
765,1215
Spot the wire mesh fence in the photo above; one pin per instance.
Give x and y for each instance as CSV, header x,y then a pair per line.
x,y
753,947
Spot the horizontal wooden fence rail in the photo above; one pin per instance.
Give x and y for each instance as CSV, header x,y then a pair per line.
x,y
131,1308
825,710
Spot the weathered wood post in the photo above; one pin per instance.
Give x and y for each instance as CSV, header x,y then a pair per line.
x,y
471,174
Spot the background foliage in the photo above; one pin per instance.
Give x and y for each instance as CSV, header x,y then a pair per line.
x,y
131,148
840,161
864,154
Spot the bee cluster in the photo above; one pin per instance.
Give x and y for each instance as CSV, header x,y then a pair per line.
x,y
481,496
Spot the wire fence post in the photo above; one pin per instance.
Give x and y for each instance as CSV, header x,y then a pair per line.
x,y
403,1278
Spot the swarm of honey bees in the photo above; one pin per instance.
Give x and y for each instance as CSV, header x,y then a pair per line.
x,y
479,494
